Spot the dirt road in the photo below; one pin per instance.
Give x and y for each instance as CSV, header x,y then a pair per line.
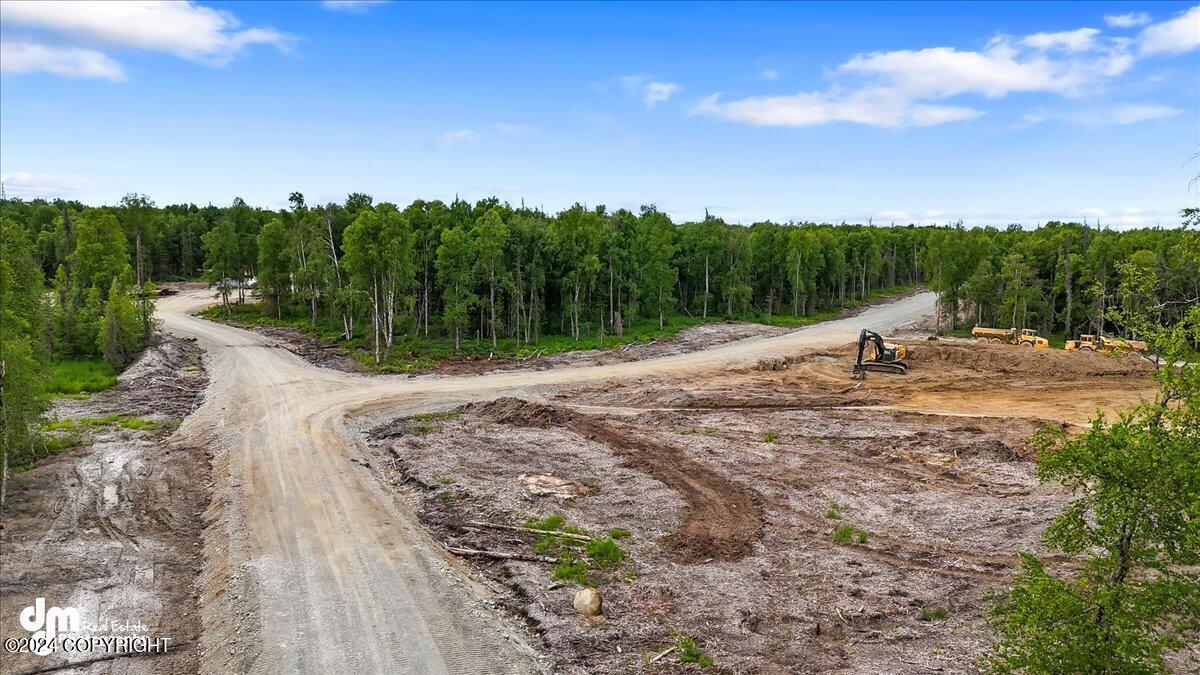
x,y
311,565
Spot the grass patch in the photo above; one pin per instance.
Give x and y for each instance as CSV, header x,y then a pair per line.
x,y
89,423
79,376
835,511
848,534
689,652
770,437
934,614
586,563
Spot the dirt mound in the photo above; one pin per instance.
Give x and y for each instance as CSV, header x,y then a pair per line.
x,y
522,413
1007,359
724,519
167,379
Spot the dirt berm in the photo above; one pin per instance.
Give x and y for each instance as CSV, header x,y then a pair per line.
x,y
723,518
1006,359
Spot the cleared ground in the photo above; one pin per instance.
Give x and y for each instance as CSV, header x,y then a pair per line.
x,y
784,515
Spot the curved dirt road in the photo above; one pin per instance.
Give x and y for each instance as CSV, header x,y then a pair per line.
x,y
312,567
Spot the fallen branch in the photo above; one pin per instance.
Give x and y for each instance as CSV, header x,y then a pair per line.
x,y
502,555
664,652
516,528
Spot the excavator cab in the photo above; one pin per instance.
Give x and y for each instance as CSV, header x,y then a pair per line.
x,y
882,357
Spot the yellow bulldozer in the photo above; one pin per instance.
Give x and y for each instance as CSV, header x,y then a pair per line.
x,y
1104,345
1026,337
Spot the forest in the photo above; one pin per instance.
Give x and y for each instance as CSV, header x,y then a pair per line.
x,y
77,282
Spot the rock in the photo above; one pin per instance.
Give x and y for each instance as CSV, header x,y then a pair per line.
x,y
587,602
543,485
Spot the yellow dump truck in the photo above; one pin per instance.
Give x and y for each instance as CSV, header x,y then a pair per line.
x,y
1025,338
1104,345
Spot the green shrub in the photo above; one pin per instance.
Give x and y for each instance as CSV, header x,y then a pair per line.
x,y
690,653
770,437
934,613
844,534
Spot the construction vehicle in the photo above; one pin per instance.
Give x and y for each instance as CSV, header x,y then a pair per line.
x,y
884,357
1026,337
1104,345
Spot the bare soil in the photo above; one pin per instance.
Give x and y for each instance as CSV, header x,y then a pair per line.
x,y
786,516
113,526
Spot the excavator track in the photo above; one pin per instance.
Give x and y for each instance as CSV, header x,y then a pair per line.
x,y
894,367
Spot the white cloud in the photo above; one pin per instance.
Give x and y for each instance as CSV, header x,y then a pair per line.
x,y
514,129
23,183
351,6
1034,118
28,57
1120,218
659,92
652,92
1000,69
894,215
183,29
908,88
1174,36
1081,40
452,138
1126,114
874,107
933,213
770,74
1127,20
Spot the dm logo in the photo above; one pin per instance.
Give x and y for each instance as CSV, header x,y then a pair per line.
x,y
46,624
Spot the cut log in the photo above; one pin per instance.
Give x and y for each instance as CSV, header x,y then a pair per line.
x,y
519,528
501,555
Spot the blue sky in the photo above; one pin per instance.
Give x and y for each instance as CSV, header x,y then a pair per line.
x,y
992,113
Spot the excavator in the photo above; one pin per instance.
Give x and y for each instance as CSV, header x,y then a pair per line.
x,y
884,357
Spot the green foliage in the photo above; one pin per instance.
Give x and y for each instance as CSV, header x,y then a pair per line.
x,y
584,563
1134,520
605,553
456,272
770,437
934,613
274,264
689,652
113,420
120,334
21,311
847,534
76,376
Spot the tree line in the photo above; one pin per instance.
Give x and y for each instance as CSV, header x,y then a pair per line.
x,y
491,271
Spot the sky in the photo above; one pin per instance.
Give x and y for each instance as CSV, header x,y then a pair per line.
x,y
888,113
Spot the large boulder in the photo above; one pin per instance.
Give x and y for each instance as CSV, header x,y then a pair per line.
x,y
587,602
